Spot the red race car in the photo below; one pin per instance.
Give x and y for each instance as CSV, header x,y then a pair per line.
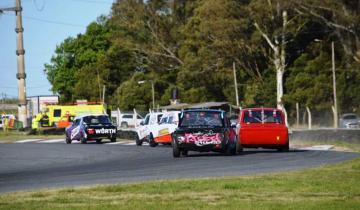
x,y
263,127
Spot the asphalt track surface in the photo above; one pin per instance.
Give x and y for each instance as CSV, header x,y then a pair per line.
x,y
34,166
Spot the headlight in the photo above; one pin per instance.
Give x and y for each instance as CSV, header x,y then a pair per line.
x,y
180,139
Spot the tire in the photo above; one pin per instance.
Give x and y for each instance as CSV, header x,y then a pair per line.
x,y
176,150
284,148
184,152
124,125
230,150
113,139
239,147
67,140
138,141
98,141
83,140
152,142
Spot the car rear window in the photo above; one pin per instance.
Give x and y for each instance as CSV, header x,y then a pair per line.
x,y
128,116
262,116
201,118
97,119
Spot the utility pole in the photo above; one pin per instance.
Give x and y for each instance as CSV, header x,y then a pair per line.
x,y
22,110
236,86
334,86
153,94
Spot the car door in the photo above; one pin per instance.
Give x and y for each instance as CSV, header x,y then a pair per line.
x,y
142,130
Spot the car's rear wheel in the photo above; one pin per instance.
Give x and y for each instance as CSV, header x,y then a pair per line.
x,y
113,139
230,149
239,147
176,150
83,140
67,139
184,152
284,148
152,142
138,141
124,125
98,141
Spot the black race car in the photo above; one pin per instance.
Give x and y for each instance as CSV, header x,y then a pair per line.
x,y
90,127
204,131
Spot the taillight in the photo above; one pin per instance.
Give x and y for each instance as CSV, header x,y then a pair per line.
x,y
90,131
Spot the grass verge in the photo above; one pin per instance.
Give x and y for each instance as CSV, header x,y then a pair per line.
x,y
11,136
339,145
327,187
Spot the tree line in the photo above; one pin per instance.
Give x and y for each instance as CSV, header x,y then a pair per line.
x,y
192,45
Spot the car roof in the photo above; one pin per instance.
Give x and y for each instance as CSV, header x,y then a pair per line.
x,y
260,109
203,110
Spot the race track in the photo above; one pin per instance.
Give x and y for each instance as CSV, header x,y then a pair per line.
x,y
33,166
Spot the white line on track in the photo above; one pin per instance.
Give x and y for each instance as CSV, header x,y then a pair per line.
x,y
52,141
28,140
319,147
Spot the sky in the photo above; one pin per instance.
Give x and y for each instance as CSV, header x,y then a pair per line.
x,y
46,24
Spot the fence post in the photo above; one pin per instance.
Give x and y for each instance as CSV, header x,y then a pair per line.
x,y
135,117
309,117
297,114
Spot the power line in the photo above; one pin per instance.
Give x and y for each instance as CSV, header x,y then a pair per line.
x,y
54,22
95,2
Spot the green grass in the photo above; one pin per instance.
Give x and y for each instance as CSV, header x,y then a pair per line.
x,y
327,187
339,145
11,136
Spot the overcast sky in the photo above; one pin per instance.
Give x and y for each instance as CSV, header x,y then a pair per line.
x,y
46,24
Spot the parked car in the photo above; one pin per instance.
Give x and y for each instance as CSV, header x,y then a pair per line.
x,y
349,120
263,127
143,131
204,131
90,127
129,120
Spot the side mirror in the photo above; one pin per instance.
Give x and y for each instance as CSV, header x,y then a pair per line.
x,y
142,123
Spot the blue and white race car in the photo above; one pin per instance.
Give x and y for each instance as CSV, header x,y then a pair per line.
x,y
90,127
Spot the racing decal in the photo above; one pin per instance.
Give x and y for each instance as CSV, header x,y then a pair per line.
x,y
75,132
105,131
164,131
202,139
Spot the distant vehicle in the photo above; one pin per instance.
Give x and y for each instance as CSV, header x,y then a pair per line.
x,y
127,120
143,131
349,120
90,127
204,131
162,133
263,127
55,113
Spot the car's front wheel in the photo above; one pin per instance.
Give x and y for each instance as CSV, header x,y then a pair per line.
x,y
98,141
138,141
67,139
152,142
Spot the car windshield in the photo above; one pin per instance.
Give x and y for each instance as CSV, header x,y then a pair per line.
x,y
262,116
350,117
201,119
102,119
